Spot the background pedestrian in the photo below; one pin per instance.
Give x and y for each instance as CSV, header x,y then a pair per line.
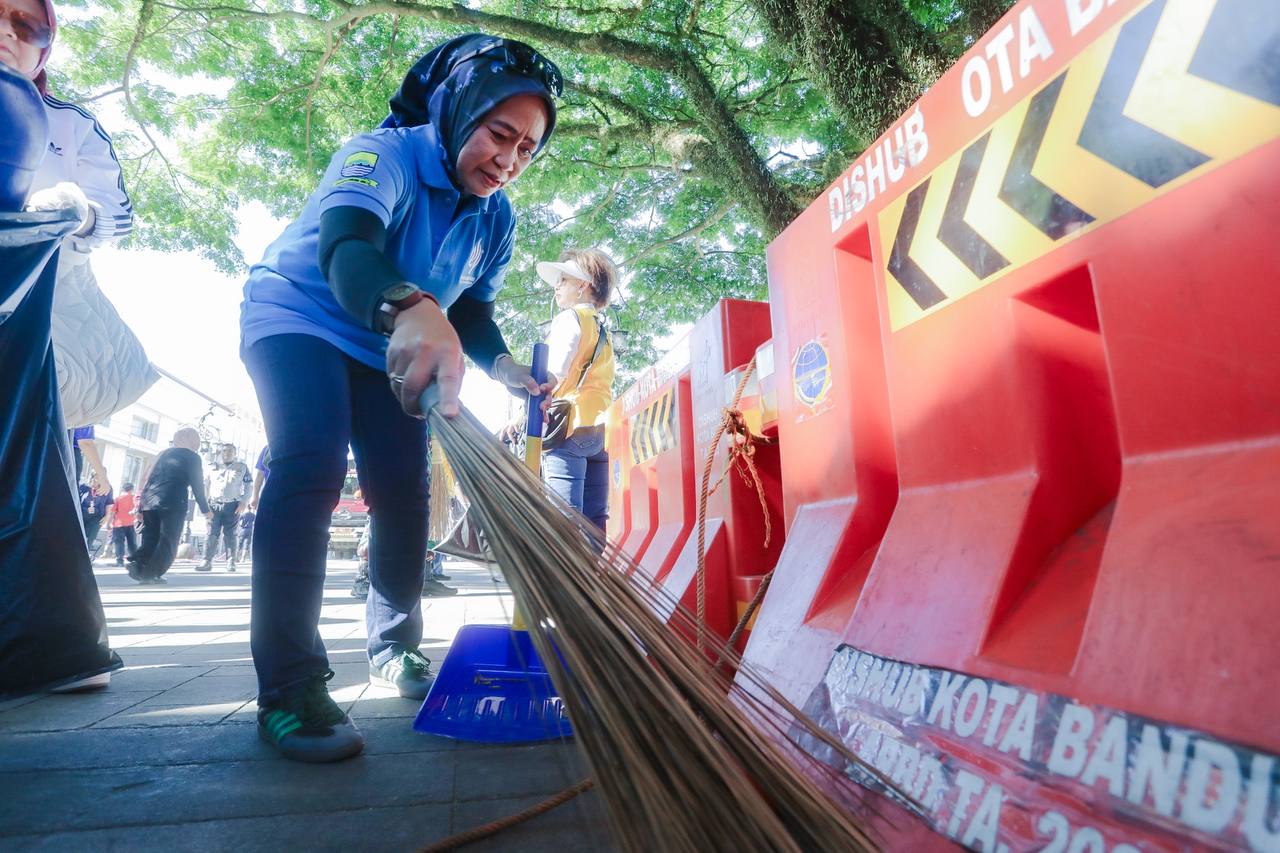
x,y
164,506
121,517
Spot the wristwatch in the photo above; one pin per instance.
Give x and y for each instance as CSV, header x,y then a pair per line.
x,y
395,299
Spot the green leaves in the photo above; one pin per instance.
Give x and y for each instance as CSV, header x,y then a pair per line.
x,y
689,133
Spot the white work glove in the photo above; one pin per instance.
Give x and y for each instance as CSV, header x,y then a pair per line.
x,y
61,196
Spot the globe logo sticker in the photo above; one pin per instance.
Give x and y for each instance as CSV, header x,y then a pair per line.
x,y
811,374
617,473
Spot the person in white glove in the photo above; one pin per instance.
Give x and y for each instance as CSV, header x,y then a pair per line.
x,y
79,172
80,168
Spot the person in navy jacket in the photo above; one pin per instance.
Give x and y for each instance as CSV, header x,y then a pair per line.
x,y
375,291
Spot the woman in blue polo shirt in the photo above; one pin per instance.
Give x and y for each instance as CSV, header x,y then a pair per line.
x,y
375,292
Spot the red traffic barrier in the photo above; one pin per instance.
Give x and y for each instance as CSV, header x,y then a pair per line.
x,y
653,480
722,347
1031,437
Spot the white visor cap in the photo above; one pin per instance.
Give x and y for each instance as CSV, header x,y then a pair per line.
x,y
550,271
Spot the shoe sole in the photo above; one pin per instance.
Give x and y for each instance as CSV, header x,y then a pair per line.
x,y
84,685
379,681
313,756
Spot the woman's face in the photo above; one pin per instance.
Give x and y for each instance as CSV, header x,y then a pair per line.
x,y
502,145
23,26
571,291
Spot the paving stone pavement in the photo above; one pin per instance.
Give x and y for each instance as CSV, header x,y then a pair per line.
x,y
167,758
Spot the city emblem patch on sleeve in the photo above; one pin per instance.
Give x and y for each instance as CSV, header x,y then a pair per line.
x,y
357,168
359,164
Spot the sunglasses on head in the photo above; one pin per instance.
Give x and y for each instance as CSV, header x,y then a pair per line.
x,y
521,59
28,28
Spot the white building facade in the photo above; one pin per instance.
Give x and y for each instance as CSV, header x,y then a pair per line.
x,y
131,438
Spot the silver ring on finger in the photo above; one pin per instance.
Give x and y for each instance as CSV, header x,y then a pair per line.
x,y
396,380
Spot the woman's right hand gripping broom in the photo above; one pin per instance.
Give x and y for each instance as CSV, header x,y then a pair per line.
x,y
424,350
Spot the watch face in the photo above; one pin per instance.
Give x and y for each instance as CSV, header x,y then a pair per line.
x,y
398,292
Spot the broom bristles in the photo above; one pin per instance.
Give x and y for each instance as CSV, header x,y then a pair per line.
x,y
685,759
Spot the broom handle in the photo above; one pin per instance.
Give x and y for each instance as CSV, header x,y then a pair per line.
x,y
533,426
533,443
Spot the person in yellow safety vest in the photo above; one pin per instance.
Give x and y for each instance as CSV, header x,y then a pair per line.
x,y
581,354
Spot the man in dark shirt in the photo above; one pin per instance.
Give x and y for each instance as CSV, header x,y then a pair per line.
x,y
93,508
164,506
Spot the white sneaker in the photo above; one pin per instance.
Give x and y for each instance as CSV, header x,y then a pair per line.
x,y
82,685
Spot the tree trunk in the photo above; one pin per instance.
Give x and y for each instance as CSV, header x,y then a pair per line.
x,y
742,173
871,57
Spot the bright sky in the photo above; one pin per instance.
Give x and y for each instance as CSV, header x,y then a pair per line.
x,y
187,315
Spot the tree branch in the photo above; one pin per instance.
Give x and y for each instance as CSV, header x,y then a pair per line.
x,y
743,169
693,231
335,40
139,35
98,97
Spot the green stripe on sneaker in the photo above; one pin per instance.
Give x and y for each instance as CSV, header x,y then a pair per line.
x,y
280,723
295,725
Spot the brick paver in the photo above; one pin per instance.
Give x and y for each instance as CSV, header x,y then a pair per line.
x,y
167,757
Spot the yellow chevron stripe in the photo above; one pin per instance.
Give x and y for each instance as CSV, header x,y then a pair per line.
x,y
650,432
1091,182
1212,119
1221,122
661,439
1019,240
646,434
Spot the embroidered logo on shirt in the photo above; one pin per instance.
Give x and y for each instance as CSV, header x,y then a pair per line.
x,y
368,182
468,277
55,149
359,165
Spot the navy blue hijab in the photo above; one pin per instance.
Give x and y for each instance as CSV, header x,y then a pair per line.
x,y
453,96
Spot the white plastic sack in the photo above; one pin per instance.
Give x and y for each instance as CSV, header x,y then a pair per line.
x,y
101,364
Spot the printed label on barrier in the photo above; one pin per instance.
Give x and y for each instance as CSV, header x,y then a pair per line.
x,y
1001,768
811,376
1178,89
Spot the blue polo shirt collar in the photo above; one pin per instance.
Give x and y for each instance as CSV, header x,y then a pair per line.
x,y
431,169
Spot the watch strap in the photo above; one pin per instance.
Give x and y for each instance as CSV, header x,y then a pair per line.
x,y
389,308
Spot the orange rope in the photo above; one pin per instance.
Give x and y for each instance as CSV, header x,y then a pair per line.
x,y
742,449
750,611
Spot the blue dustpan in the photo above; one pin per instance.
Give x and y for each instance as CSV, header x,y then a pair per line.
x,y
493,688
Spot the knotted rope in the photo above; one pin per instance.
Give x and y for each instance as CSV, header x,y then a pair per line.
x,y
742,451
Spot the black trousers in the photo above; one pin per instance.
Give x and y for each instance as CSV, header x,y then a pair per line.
x,y
315,401
126,542
92,525
161,532
246,543
224,524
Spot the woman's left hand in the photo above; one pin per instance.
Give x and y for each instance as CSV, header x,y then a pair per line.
x,y
520,377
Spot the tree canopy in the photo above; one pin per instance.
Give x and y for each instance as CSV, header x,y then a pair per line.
x,y
690,132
